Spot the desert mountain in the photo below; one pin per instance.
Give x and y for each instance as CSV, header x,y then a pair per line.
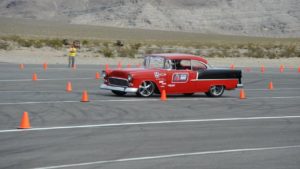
x,y
270,18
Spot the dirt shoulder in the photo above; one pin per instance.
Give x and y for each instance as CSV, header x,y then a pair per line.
x,y
52,56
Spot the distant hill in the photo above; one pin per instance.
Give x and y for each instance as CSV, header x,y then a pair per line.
x,y
267,18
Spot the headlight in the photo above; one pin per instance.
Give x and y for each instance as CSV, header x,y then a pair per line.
x,y
129,78
104,74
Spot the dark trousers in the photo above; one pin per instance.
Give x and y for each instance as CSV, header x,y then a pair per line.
x,y
71,61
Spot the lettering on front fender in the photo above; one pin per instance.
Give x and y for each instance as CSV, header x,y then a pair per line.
x,y
158,75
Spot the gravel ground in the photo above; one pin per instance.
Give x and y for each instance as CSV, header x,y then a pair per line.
x,y
51,56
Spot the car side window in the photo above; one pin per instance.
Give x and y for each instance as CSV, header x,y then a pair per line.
x,y
182,64
198,66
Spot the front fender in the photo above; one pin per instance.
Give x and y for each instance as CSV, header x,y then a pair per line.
x,y
158,87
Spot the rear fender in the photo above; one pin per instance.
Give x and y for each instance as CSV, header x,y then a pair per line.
x,y
223,77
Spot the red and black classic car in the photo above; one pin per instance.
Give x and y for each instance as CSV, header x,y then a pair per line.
x,y
176,73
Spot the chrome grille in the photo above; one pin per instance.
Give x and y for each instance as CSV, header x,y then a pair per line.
x,y
118,82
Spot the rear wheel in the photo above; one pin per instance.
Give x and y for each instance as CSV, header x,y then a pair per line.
x,y
146,89
118,93
215,91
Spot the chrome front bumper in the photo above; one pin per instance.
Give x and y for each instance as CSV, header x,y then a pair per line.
x,y
240,86
118,88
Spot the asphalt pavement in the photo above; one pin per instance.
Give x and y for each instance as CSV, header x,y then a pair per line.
x,y
112,132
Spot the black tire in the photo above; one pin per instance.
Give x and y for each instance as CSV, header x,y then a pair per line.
x,y
215,91
146,89
118,93
188,94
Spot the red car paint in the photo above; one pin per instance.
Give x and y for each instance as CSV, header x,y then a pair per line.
x,y
174,76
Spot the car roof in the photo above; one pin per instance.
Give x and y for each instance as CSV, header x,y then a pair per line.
x,y
177,56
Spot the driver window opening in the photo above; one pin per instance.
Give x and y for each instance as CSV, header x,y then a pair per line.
x,y
181,64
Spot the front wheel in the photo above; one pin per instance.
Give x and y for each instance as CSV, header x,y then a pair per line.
x,y
118,93
215,91
146,89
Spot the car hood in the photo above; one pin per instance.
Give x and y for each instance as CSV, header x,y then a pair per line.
x,y
135,72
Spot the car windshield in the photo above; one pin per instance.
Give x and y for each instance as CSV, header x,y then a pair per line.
x,y
154,62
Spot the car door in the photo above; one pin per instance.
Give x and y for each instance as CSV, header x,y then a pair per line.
x,y
179,77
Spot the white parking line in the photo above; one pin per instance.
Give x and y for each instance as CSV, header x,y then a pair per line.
x,y
195,99
273,89
143,100
172,156
279,97
30,91
269,72
16,80
25,80
46,102
41,91
151,123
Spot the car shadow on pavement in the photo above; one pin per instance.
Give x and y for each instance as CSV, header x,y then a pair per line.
x,y
156,96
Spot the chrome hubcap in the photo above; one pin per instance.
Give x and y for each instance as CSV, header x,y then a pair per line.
x,y
146,88
216,90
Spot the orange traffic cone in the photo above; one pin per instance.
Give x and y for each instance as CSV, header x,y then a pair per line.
x,y
281,69
299,69
163,96
242,94
129,66
271,87
25,124
232,66
21,66
262,69
97,76
138,65
34,77
85,97
69,87
119,65
45,66
106,67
